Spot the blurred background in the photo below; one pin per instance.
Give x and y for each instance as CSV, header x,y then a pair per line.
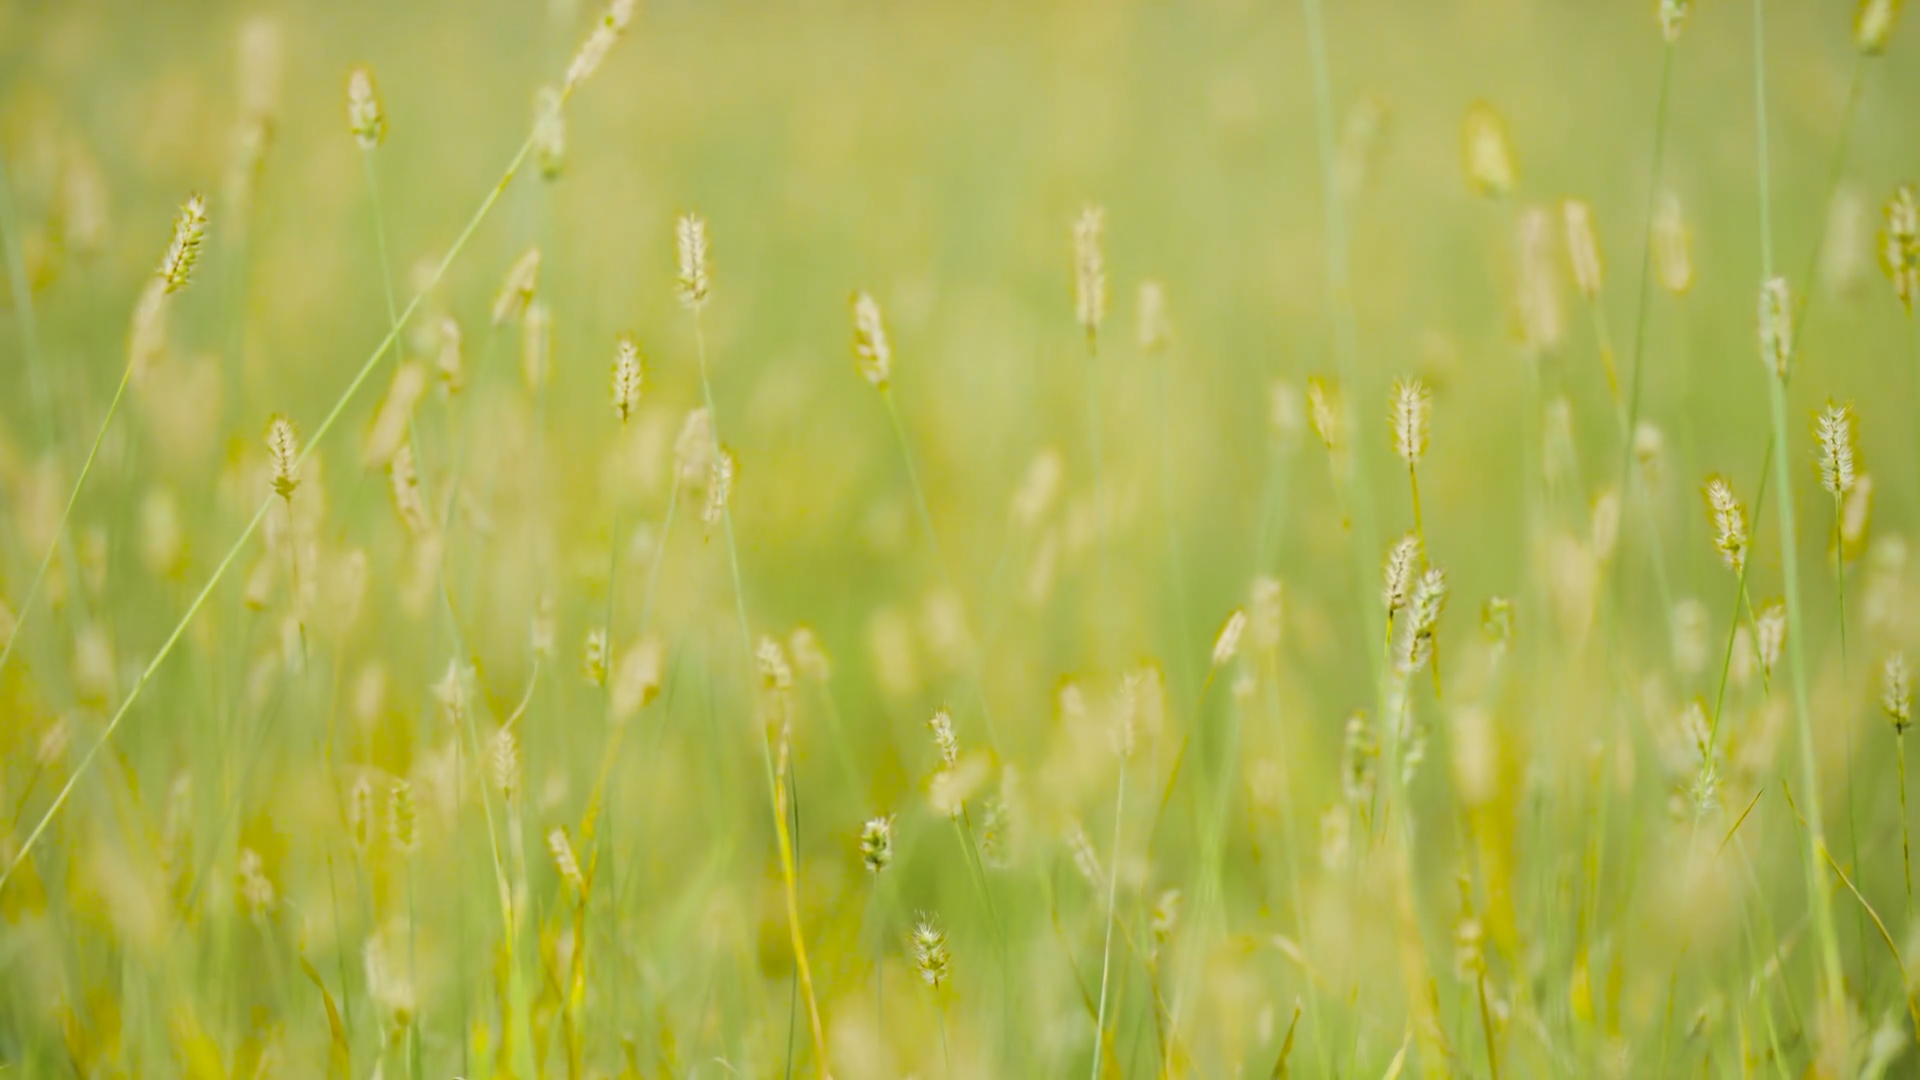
x,y
935,156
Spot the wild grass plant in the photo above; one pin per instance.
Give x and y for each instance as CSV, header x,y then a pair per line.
x,y
1381,548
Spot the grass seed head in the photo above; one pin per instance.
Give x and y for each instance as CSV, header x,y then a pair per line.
x,y
1776,326
1264,612
189,232
1770,634
1412,405
518,289
1729,523
1896,692
1226,645
594,658
1090,269
1583,248
627,379
1358,755
1403,561
1322,413
1900,245
638,676
1496,622
1834,432
944,740
719,486
930,957
1873,24
693,448
872,354
365,118
876,843
360,813
599,43
536,344
564,859
550,132
1489,156
1154,329
1423,619
690,248
402,818
448,362
403,479
1672,245
283,449
504,760
1673,18
1537,302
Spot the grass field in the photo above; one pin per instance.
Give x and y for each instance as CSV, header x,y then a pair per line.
x,y
1141,539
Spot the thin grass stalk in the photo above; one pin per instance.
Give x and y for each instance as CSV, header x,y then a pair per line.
x,y
776,796
1796,648
1113,888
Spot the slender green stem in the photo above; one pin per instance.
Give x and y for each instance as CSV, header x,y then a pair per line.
x,y
1906,851
1113,888
945,573
60,528
1818,895
773,781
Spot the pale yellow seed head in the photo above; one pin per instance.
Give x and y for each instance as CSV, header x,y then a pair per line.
x,y
1583,248
1833,430
401,817
518,289
536,344
1776,326
930,956
1412,404
1322,413
1489,156
693,448
690,247
599,43
189,231
365,117
944,740
1770,633
1542,327
876,843
564,860
872,353
1673,18
283,450
1873,25
1090,269
1403,561
1729,523
550,132
1896,692
1154,329
719,486
1900,245
1672,245
449,362
1226,645
627,379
